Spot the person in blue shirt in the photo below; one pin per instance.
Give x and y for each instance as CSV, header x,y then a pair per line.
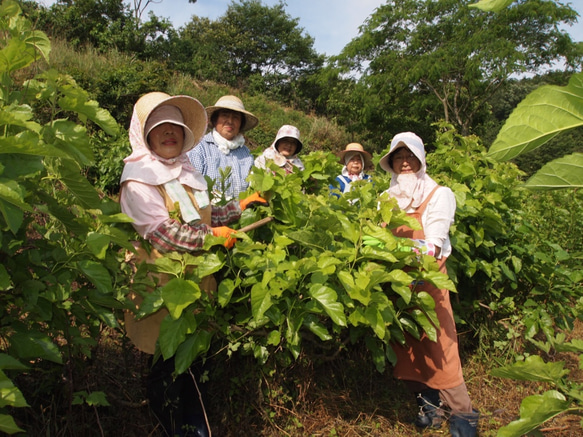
x,y
355,161
224,147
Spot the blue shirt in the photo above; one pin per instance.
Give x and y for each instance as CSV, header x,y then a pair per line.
x,y
208,159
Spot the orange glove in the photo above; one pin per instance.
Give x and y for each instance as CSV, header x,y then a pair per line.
x,y
225,232
253,199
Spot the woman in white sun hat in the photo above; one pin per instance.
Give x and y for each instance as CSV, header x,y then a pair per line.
x,y
169,204
284,150
430,369
224,147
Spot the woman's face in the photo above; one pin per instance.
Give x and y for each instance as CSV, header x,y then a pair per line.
x,y
228,123
166,140
404,161
354,164
287,147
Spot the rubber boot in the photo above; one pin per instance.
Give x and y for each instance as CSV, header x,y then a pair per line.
x,y
175,402
430,414
464,424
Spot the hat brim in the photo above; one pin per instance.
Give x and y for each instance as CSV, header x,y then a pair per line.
x,y
384,161
367,157
193,112
250,120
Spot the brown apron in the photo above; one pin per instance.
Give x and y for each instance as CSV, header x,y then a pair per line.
x,y
436,364
144,332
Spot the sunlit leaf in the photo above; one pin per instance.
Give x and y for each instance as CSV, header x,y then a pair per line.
x,y
492,5
542,115
565,172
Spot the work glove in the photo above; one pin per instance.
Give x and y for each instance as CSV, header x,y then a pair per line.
x,y
367,240
225,232
252,200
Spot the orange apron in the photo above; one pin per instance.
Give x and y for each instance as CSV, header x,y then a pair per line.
x,y
144,332
436,364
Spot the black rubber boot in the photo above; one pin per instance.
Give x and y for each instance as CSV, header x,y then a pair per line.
x,y
175,402
430,414
464,424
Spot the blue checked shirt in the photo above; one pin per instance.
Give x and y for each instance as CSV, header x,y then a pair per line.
x,y
208,159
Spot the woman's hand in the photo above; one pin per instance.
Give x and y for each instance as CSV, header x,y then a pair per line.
x,y
252,200
225,232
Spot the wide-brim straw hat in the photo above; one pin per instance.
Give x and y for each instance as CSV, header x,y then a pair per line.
x,y
356,147
193,113
234,103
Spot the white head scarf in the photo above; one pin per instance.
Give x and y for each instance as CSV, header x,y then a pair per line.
x,y
353,177
410,190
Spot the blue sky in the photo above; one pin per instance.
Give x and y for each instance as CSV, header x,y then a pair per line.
x,y
332,23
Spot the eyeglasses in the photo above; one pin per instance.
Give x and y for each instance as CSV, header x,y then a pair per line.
x,y
405,157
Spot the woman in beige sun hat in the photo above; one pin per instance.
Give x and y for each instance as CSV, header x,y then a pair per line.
x,y
355,161
157,176
224,146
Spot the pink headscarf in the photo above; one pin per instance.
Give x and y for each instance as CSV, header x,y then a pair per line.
x,y
145,166
410,190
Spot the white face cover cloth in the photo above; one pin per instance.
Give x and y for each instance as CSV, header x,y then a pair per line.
x,y
409,189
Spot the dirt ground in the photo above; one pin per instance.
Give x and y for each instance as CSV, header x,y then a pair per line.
x,y
341,397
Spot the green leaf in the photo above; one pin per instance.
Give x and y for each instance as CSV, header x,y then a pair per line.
x,y
98,244
314,325
534,411
76,100
565,172
8,362
328,298
34,345
9,394
543,114
533,369
178,294
260,300
173,333
70,175
8,425
97,274
492,5
195,345
72,139
226,289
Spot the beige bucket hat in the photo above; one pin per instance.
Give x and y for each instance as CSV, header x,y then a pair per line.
x,y
193,114
234,103
356,147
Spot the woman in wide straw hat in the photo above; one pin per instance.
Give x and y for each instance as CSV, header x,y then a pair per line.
x,y
224,146
284,150
157,177
355,160
430,369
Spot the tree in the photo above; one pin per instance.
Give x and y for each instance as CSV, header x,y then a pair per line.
x,y
444,60
253,47
140,6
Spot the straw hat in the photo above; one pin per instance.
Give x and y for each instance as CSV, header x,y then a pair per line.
x,y
356,147
193,114
234,103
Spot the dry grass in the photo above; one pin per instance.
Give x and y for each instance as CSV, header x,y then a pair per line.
x,y
341,397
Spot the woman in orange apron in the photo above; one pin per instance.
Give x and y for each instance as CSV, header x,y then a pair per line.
x,y
431,370
169,204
